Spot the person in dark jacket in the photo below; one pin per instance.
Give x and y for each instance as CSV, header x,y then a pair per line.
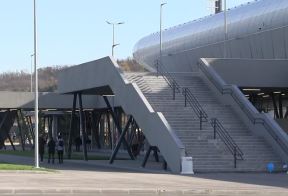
x,y
78,143
60,149
51,150
42,143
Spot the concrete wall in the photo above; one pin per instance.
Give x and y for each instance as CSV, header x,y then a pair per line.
x,y
258,123
252,73
25,100
105,72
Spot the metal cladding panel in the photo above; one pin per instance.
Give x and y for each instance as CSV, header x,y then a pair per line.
x,y
259,17
246,49
286,42
279,44
256,50
267,45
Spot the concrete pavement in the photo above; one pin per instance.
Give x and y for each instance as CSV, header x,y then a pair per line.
x,y
89,178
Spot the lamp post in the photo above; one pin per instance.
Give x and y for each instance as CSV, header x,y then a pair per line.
x,y
225,29
113,38
36,91
161,7
31,82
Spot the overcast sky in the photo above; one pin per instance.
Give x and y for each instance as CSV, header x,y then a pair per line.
x,y
75,31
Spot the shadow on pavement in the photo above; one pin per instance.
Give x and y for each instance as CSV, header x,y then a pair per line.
x,y
263,179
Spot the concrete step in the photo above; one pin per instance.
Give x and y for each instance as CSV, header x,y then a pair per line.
x,y
209,155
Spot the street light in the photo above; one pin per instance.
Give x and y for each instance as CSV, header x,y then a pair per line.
x,y
161,6
113,42
225,29
36,91
31,82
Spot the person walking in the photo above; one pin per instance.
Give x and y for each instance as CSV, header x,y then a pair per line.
x,y
51,150
60,149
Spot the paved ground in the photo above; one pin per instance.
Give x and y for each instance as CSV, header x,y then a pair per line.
x,y
95,178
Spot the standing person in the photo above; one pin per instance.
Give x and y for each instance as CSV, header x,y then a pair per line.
x,y
42,143
51,150
78,143
60,149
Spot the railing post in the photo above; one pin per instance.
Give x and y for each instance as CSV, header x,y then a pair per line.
x,y
174,89
235,156
214,127
200,120
157,68
185,96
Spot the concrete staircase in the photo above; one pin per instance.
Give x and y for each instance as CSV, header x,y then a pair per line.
x,y
209,155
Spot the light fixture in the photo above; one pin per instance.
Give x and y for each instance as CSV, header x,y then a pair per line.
x,y
260,93
251,89
283,94
266,96
277,92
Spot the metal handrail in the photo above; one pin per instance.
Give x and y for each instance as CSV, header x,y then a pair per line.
x,y
249,114
227,140
195,105
201,114
168,78
188,95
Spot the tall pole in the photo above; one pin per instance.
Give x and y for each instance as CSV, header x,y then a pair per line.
x,y
161,6
113,42
31,79
36,91
113,34
225,29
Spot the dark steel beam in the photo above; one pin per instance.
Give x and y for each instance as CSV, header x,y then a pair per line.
x,y
155,150
32,128
109,130
82,128
26,129
275,105
71,126
122,138
280,106
118,127
20,130
95,122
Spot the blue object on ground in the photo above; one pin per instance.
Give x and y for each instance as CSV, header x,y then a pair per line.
x,y
270,167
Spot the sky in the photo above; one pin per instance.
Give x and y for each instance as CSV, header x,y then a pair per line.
x,y
71,32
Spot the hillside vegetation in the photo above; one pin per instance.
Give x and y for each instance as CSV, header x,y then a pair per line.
x,y
47,77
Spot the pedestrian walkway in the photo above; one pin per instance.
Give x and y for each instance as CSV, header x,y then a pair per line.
x,y
96,178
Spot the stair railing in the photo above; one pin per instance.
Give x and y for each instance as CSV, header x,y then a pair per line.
x,y
168,78
227,140
201,114
245,105
195,105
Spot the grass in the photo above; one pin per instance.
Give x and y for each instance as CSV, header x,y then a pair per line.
x,y
8,166
74,156
27,153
